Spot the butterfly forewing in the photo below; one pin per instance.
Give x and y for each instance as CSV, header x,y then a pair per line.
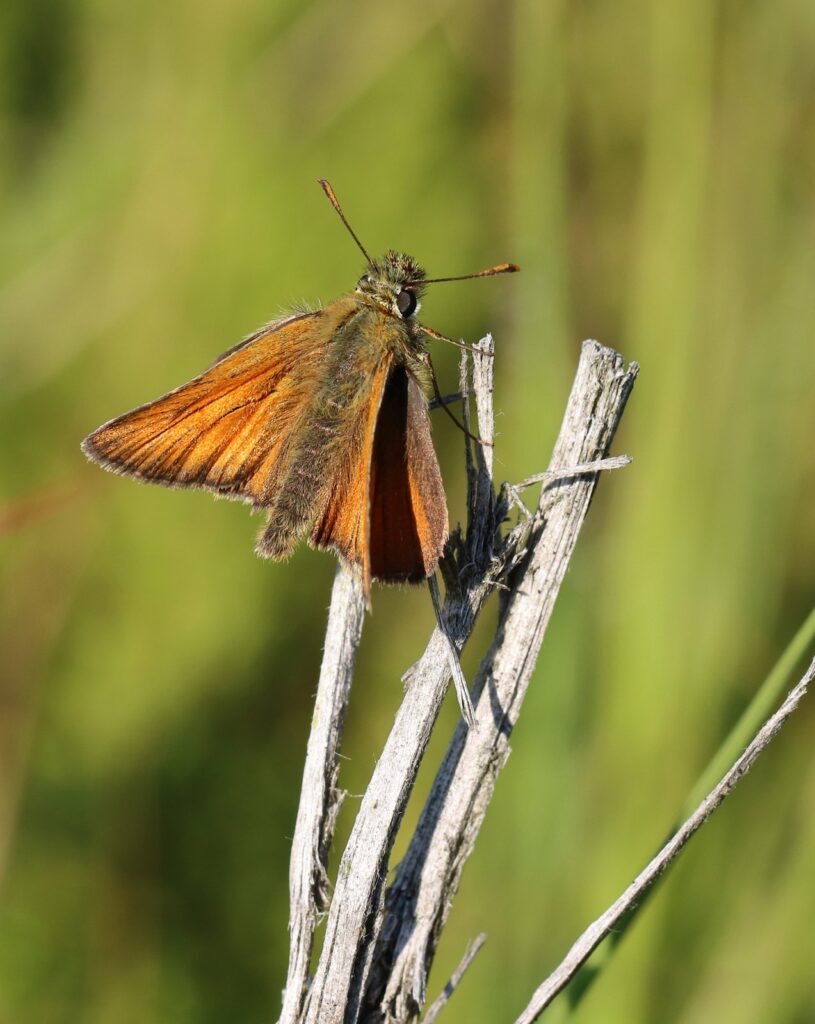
x,y
223,431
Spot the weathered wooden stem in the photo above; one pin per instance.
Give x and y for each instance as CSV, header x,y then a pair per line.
x,y
320,799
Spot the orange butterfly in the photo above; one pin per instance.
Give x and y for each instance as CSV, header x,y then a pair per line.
x,y
319,418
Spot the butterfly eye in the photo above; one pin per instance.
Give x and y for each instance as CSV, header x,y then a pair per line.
x,y
406,303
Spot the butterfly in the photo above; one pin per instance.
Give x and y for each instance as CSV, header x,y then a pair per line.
x,y
320,419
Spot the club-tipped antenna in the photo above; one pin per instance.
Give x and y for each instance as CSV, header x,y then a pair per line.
x,y
500,268
329,191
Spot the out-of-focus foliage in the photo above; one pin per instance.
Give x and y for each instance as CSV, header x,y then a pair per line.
x,y
652,167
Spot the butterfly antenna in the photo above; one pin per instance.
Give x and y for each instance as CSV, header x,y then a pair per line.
x,y
500,268
329,191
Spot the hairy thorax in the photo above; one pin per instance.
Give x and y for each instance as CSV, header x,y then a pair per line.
x,y
366,334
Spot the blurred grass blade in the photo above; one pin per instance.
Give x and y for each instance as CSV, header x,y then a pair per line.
x,y
759,709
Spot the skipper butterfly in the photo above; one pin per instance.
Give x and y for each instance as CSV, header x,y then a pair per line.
x,y
320,419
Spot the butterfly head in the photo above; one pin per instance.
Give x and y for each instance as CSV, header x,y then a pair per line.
x,y
394,283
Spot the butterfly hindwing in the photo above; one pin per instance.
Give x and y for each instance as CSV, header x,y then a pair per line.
x,y
408,511
386,511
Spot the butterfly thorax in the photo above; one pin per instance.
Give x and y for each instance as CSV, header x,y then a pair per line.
x,y
393,284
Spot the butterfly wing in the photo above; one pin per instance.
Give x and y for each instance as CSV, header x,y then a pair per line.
x,y
386,512
311,422
344,522
408,507
225,429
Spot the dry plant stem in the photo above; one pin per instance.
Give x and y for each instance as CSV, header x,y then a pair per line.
x,y
598,930
352,920
551,475
418,902
319,798
443,999
459,682
483,388
563,473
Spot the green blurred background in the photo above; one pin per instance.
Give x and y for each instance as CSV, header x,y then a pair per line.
x,y
652,167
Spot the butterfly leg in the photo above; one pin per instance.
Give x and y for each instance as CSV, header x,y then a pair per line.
x,y
459,344
443,404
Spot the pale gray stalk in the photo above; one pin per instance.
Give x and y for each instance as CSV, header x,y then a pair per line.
x,y
443,998
320,798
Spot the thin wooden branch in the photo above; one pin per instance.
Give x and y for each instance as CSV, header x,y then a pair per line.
x,y
418,902
443,998
320,799
483,366
563,473
599,929
459,682
513,491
